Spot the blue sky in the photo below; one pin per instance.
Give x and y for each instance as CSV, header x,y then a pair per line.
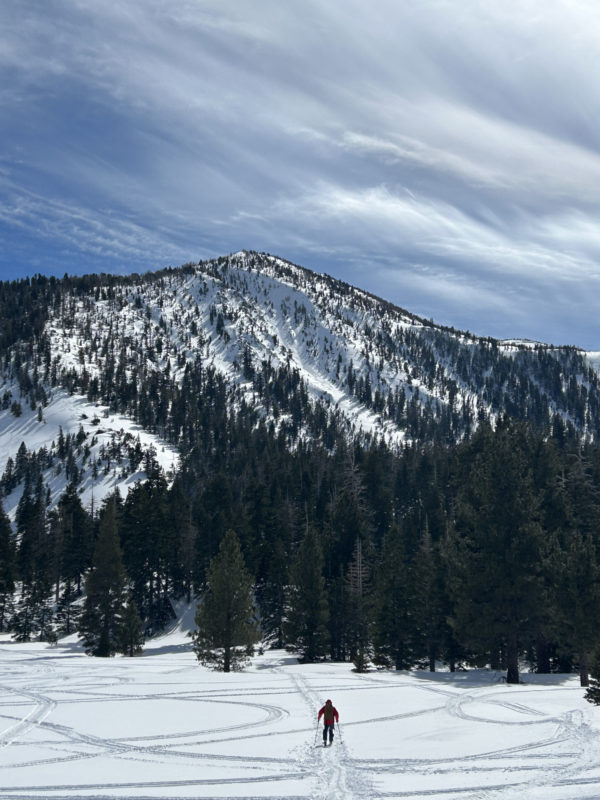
x,y
443,154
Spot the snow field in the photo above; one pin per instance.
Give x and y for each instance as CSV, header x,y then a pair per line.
x,y
69,413
161,726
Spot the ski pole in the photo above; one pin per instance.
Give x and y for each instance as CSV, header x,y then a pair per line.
x,y
337,725
316,732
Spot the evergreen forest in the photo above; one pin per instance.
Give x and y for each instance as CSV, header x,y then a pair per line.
x,y
476,546
483,553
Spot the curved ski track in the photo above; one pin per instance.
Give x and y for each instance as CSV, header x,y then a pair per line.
x,y
220,745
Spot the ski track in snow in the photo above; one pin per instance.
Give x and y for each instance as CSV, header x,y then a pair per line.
x,y
160,726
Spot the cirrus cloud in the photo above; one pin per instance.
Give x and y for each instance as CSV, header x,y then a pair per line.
x,y
441,155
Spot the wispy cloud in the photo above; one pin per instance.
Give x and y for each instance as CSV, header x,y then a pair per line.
x,y
80,231
451,147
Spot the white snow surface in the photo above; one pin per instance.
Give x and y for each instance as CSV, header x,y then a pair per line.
x,y
593,358
281,319
69,412
162,726
250,308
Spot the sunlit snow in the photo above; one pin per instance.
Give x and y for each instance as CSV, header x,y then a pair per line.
x,y
69,413
161,726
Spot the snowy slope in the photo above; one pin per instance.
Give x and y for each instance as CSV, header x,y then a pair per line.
x,y
103,433
161,726
364,366
240,313
594,359
280,314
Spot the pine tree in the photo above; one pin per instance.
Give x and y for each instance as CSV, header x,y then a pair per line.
x,y
105,587
359,623
273,570
494,558
44,617
592,694
180,552
394,630
272,593
226,628
22,622
67,612
214,517
147,539
29,525
573,560
7,569
74,527
33,613
338,607
351,514
577,597
305,628
131,633
429,592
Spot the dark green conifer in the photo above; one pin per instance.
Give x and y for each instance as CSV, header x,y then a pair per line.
x,y
360,609
75,537
305,628
67,611
573,562
147,536
131,633
105,589
7,569
33,612
592,694
225,619
494,560
394,627
429,596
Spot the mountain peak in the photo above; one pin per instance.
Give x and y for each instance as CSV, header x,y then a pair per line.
x,y
311,356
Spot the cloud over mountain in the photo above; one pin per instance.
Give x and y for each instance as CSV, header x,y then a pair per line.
x,y
443,156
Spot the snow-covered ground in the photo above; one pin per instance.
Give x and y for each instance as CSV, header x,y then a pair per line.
x,y
161,726
70,413
593,358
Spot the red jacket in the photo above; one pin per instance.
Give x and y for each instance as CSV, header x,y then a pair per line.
x,y
330,713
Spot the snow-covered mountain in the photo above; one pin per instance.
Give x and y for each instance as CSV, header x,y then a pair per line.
x,y
312,356
379,368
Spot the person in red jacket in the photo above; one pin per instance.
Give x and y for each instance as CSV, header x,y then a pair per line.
x,y
330,716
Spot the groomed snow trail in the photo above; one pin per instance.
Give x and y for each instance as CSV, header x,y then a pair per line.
x,y
160,726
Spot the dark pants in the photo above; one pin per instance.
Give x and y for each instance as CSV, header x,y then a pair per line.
x,y
328,727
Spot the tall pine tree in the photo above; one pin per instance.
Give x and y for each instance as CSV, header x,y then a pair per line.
x,y
495,561
394,626
7,569
305,629
226,627
359,616
131,632
105,588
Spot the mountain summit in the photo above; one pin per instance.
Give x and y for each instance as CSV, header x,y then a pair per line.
x,y
306,350
311,355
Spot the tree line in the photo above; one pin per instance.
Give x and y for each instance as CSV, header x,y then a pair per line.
x,y
483,553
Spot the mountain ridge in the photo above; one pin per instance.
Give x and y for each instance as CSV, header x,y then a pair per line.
x,y
310,356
